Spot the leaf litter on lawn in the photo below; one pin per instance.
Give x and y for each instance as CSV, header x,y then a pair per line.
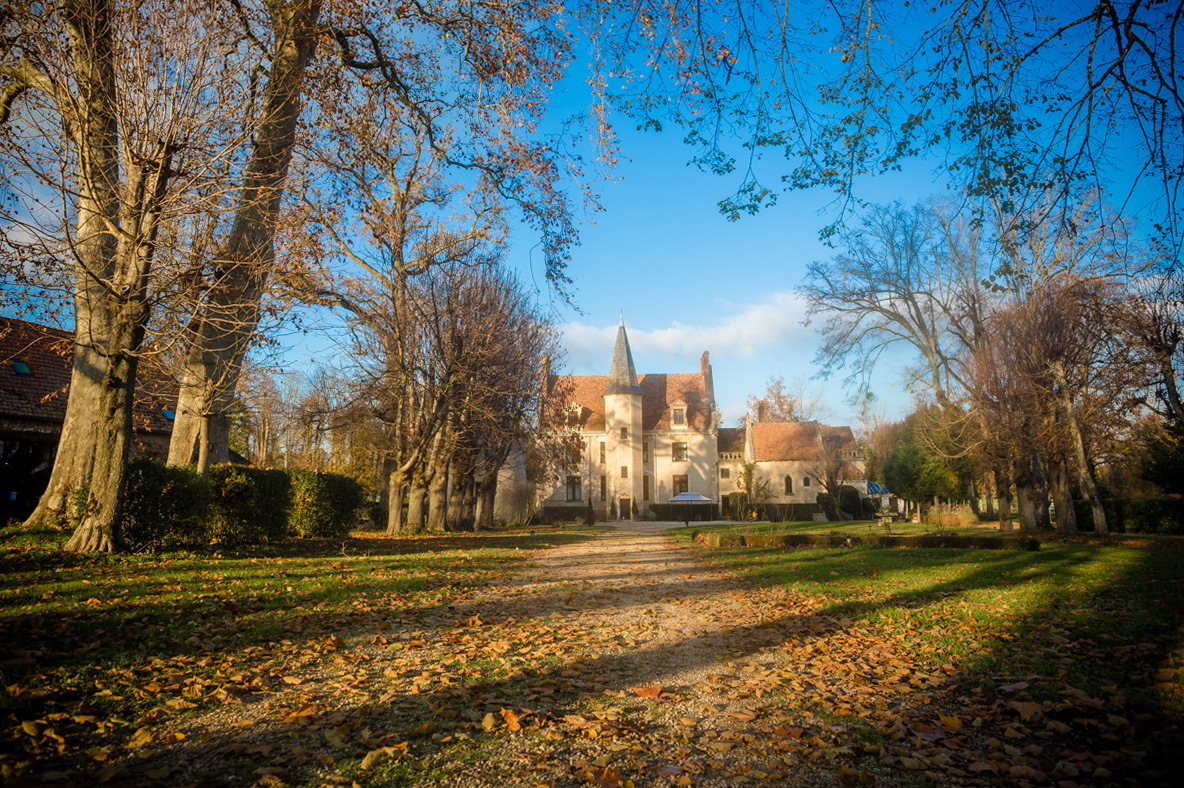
x,y
616,662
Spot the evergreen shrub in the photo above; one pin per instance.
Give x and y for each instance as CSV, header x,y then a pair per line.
x,y
165,506
323,505
1136,515
842,540
248,505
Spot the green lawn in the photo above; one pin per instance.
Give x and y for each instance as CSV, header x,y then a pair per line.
x,y
94,648
857,527
1080,618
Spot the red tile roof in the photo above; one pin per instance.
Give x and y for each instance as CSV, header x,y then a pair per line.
x,y
41,396
731,439
658,393
791,440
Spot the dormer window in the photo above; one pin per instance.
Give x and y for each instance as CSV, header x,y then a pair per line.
x,y
678,416
21,368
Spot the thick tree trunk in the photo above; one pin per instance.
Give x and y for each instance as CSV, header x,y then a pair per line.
x,y
1043,516
454,519
113,247
1062,496
101,499
394,503
972,494
229,316
438,501
1085,476
1003,489
1032,495
415,509
1026,496
486,500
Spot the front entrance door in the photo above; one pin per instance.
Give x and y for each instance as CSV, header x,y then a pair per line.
x,y
626,509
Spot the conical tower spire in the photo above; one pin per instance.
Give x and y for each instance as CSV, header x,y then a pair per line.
x,y
622,376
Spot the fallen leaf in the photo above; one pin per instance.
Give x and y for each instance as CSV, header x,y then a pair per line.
x,y
949,723
375,757
1027,709
511,720
651,691
607,778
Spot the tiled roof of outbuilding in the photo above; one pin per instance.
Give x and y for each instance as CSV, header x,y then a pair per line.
x,y
48,354
791,440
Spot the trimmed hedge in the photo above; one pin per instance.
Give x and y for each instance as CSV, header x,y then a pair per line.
x,y
841,540
249,505
685,512
557,515
165,507
1135,515
323,505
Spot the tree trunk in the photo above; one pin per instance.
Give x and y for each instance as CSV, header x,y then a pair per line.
x,y
114,243
438,501
229,314
1040,478
972,494
1003,490
394,503
486,500
456,500
1062,496
1085,476
1032,495
1026,496
415,508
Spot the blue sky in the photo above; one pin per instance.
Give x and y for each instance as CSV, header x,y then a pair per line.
x,y
688,280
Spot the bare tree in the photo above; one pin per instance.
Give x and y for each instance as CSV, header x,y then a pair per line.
x,y
472,83
782,403
143,104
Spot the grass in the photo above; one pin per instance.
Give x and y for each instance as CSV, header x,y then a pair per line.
x,y
94,651
842,527
90,646
1079,617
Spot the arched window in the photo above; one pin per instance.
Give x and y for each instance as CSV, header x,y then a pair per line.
x,y
789,485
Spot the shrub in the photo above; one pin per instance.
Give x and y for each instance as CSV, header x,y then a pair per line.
x,y
827,502
1136,515
849,501
248,505
947,515
840,540
165,507
323,505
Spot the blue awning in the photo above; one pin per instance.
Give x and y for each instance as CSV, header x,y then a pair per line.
x,y
877,489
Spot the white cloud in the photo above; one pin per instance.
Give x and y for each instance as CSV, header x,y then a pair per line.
x,y
732,332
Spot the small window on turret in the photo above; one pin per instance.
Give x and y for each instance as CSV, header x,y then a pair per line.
x,y
624,433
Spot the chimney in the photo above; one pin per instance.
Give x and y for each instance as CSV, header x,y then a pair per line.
x,y
708,382
762,410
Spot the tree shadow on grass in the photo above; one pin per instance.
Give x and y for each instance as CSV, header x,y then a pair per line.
x,y
1027,646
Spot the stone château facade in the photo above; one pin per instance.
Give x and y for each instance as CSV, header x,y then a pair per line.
x,y
642,439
